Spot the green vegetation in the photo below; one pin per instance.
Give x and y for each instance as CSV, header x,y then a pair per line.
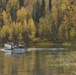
x,y
34,21
67,44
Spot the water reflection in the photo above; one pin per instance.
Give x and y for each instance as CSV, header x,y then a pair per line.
x,y
1,63
42,62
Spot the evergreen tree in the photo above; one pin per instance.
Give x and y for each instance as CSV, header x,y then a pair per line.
x,y
48,19
21,3
36,12
12,8
42,9
50,5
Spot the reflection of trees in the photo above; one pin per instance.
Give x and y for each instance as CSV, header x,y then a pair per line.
x,y
40,64
14,69
1,63
30,62
9,66
18,65
37,64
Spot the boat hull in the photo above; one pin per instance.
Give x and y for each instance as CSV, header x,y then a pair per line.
x,y
18,50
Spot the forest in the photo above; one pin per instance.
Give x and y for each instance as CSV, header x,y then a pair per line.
x,y
32,21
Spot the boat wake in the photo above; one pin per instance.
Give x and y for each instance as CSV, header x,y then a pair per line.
x,y
31,49
52,49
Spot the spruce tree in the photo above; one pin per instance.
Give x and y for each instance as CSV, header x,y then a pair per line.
x,y
50,5
43,8
36,12
21,3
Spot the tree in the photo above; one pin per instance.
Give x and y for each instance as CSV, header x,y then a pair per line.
x,y
21,3
1,10
5,18
5,33
43,8
21,14
11,38
44,29
50,5
15,31
12,8
24,33
64,29
3,4
36,12
73,35
20,37
54,20
31,29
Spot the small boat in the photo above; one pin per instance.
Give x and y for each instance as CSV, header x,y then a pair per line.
x,y
19,49
15,49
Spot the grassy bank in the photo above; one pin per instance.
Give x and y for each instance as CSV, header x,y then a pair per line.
x,y
67,44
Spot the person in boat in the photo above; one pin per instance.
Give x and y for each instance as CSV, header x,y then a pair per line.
x,y
16,44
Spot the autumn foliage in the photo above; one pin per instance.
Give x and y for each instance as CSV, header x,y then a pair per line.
x,y
36,20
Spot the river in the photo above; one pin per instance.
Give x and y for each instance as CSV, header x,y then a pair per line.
x,y
39,61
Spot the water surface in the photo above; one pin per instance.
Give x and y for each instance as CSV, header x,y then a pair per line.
x,y
39,62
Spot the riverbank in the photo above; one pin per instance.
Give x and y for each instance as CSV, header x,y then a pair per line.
x,y
51,44
44,44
